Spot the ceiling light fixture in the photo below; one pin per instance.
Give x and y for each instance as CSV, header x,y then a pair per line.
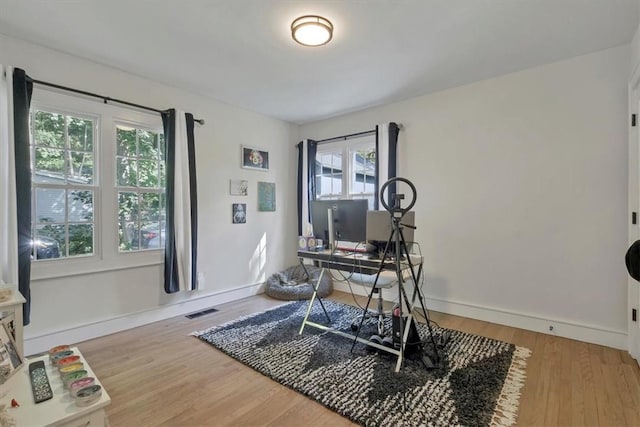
x,y
312,30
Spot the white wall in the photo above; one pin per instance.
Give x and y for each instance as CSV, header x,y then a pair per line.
x,y
635,44
522,194
633,193
232,257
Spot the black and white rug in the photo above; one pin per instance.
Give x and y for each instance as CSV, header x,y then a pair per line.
x,y
478,383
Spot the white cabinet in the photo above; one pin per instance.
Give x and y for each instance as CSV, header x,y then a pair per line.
x,y
61,410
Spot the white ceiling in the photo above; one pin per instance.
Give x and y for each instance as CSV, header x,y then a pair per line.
x,y
240,51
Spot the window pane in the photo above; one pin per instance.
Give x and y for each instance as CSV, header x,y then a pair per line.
x,y
80,134
49,242
163,175
161,147
80,206
80,168
363,170
128,230
126,141
50,205
333,184
128,206
127,172
151,213
140,165
162,222
329,168
150,208
150,237
49,165
148,144
148,173
80,239
54,136
48,129
357,169
128,233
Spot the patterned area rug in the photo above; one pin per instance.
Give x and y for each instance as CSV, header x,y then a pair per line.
x,y
477,384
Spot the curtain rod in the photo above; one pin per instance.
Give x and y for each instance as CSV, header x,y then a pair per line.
x,y
105,99
344,137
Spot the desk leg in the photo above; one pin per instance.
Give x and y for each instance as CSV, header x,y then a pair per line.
x,y
313,298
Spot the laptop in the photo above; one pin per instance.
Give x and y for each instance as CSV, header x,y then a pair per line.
x,y
379,228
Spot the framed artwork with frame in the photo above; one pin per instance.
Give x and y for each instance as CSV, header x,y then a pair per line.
x,y
255,158
266,196
10,360
239,213
238,187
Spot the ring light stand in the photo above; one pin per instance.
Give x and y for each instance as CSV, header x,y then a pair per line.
x,y
397,212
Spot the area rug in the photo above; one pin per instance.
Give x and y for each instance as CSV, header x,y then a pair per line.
x,y
478,382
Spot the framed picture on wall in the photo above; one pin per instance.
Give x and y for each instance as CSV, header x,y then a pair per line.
x,y
266,196
239,212
238,187
255,158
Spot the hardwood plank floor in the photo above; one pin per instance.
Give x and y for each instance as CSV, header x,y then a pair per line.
x,y
158,375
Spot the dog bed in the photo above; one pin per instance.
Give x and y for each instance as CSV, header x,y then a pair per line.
x,y
293,284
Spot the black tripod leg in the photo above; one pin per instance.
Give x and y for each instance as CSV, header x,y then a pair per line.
x,y
418,293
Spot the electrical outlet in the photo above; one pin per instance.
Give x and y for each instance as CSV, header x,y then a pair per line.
x,y
551,328
201,279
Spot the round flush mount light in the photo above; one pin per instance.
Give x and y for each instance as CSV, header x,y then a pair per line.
x,y
312,30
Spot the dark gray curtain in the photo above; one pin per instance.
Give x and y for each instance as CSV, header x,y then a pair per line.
x,y
22,90
306,175
386,165
172,280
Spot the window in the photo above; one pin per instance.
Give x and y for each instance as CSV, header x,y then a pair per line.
x,y
140,180
64,184
98,178
354,159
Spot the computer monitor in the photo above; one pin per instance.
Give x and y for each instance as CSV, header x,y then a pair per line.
x,y
379,230
349,218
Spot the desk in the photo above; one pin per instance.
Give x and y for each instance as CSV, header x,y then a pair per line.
x,y
361,263
61,409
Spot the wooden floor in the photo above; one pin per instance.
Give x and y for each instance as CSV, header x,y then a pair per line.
x,y
158,375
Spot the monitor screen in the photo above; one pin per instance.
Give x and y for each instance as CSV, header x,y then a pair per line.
x,y
349,219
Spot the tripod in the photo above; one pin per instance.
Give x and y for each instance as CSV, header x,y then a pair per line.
x,y
394,252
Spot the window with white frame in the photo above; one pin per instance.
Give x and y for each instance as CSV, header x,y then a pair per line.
x,y
140,181
347,169
98,178
64,184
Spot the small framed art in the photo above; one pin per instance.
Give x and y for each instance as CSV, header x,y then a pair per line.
x,y
255,158
238,187
266,196
239,212
10,360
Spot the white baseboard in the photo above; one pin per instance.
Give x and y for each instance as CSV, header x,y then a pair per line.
x,y
39,344
590,334
530,322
